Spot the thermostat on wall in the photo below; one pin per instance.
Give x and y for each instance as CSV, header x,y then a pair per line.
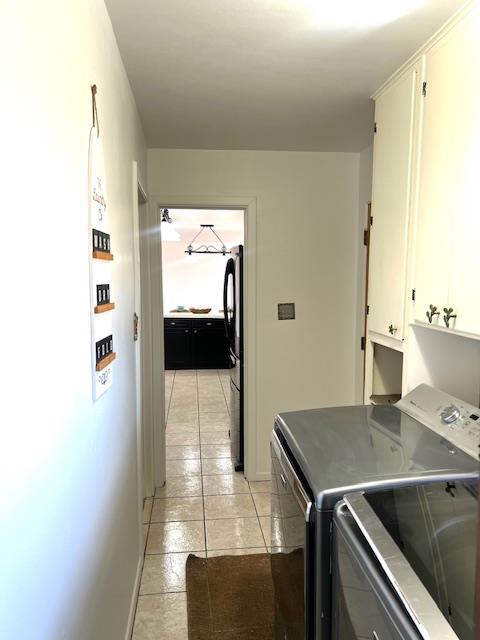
x,y
286,311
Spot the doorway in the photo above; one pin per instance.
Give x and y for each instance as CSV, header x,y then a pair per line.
x,y
152,280
202,276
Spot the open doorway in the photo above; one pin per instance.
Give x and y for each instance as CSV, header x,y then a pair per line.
x,y
203,302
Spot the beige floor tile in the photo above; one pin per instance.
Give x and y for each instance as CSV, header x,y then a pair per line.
x,y
147,510
211,391
187,452
223,485
214,421
181,427
262,503
164,572
214,553
177,509
180,486
180,409
262,486
214,437
233,533
215,451
212,405
174,439
172,537
183,468
185,417
161,616
217,466
265,524
230,506
221,428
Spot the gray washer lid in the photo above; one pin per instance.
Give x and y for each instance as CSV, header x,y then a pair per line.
x,y
343,449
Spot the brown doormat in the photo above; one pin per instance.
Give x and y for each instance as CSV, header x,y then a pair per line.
x,y
230,598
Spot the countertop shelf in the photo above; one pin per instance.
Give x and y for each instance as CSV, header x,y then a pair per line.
x,y
104,362
102,255
101,308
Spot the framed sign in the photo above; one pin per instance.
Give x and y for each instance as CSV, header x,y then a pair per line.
x,y
101,265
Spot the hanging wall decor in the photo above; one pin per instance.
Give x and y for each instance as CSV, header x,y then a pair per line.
x,y
101,258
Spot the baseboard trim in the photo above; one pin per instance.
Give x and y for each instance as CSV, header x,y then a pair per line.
x,y
133,603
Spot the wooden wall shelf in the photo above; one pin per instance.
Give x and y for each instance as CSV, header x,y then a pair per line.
x,y
101,308
102,255
104,362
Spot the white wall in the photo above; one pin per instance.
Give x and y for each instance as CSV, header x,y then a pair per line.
x,y
307,231
196,280
68,479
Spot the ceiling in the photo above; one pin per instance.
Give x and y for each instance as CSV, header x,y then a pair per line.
x,y
265,74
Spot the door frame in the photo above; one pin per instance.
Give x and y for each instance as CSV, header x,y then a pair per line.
x,y
249,205
144,428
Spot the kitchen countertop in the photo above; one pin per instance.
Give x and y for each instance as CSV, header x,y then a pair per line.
x,y
189,314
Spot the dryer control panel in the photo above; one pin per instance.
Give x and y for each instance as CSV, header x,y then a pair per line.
x,y
456,420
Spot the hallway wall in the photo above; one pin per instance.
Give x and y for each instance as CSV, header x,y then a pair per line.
x,y
307,230
68,479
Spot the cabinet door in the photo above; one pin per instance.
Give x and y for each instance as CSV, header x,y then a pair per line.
x,y
209,348
460,61
178,352
448,228
391,195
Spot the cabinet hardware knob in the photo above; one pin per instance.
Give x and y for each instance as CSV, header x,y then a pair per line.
x,y
433,311
186,330
194,331
209,324
172,323
448,316
392,329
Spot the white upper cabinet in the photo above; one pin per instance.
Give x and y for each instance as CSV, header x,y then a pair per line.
x,y
391,197
447,264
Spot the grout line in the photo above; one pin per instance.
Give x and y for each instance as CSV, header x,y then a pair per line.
x,y
201,469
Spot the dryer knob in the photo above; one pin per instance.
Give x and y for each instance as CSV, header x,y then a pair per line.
x,y
450,414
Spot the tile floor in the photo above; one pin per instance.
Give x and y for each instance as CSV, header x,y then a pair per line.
x,y
205,507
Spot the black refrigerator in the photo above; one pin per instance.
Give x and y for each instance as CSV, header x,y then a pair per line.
x,y
233,312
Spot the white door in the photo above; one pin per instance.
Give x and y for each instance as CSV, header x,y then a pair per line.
x,y
391,196
447,270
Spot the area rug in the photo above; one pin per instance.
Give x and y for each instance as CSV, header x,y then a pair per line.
x,y
230,598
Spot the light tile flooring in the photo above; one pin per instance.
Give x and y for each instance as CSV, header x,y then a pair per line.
x,y
205,507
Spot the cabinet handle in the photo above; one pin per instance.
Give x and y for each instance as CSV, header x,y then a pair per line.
x,y
209,324
194,331
392,329
172,323
186,330
448,316
432,312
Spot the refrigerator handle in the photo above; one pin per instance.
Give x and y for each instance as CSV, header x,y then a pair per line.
x,y
229,269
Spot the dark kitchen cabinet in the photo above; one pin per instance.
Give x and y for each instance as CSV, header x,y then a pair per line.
x,y
177,348
195,344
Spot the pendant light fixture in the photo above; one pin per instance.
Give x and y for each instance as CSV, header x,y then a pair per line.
x,y
207,248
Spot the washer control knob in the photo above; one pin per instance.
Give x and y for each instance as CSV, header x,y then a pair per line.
x,y
450,414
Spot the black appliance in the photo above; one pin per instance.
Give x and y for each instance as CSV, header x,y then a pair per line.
x,y
233,313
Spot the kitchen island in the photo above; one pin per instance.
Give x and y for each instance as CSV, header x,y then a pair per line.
x,y
195,341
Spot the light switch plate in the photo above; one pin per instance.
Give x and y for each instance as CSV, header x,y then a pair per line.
x,y
286,311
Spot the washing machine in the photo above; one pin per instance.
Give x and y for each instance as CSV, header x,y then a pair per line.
x,y
321,455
